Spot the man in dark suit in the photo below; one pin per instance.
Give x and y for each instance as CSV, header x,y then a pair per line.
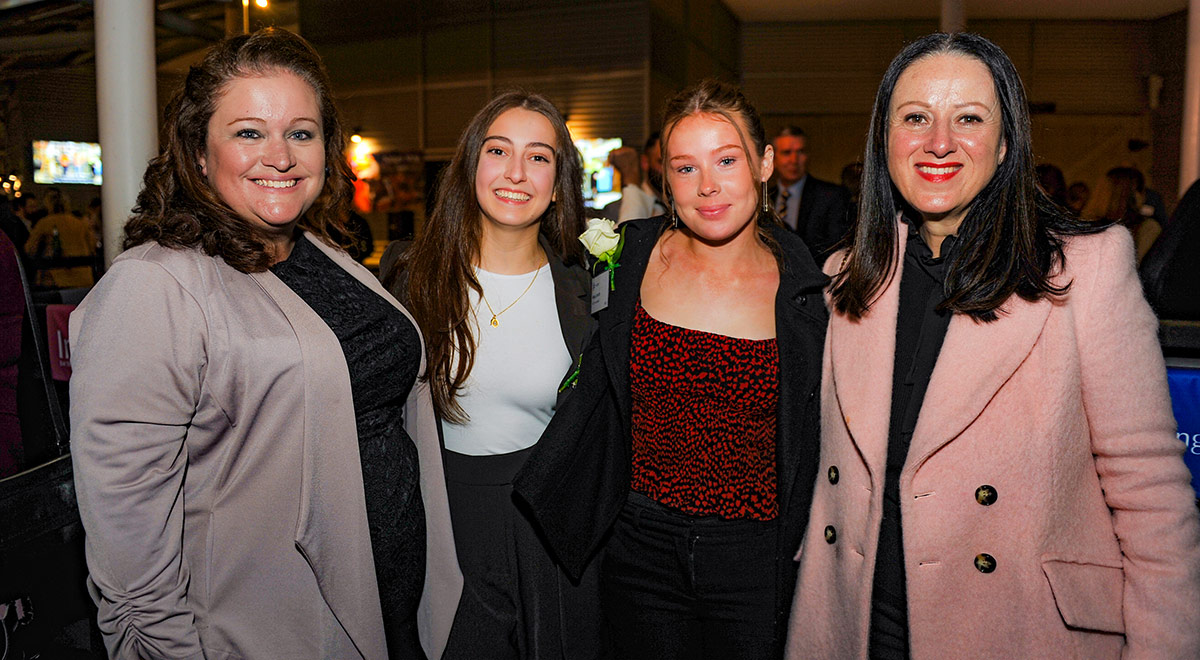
x,y
12,222
819,211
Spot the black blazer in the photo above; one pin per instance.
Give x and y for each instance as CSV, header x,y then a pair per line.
x,y
824,216
578,477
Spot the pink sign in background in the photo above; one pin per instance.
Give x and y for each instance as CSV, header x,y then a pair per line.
x,y
57,341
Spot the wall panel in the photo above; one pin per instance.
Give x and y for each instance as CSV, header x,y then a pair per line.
x,y
457,53
384,63
1169,41
598,105
389,118
447,111
581,37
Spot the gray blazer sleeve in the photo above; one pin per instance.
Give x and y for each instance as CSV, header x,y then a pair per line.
x,y
138,362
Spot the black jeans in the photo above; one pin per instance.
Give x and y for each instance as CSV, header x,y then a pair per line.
x,y
678,586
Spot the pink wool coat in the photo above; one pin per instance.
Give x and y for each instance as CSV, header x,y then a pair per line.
x,y
1060,408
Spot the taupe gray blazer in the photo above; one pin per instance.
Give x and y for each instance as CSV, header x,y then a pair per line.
x,y
217,469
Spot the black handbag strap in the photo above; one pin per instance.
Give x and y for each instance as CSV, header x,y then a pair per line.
x,y
59,425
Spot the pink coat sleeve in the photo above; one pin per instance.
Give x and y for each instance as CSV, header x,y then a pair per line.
x,y
1138,457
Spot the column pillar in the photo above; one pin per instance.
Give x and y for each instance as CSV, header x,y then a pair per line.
x,y
954,16
127,105
1189,149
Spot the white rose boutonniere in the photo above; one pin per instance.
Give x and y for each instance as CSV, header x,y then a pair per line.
x,y
604,242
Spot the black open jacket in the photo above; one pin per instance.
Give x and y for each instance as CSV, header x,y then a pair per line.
x,y
578,477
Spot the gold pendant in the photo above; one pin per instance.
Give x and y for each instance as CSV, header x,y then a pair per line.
x,y
495,322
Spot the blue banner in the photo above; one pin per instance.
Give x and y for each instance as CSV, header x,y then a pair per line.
x,y
1185,399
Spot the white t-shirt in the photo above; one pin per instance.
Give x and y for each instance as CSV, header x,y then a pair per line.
x,y
511,392
636,203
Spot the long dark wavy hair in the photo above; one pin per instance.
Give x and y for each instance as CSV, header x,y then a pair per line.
x,y
714,97
439,266
177,206
1011,239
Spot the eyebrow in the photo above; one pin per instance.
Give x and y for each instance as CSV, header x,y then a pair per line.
x,y
923,104
717,150
263,121
531,144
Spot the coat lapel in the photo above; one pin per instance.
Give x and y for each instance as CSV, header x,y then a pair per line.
x,y
808,198
862,356
975,361
572,298
615,322
800,320
332,516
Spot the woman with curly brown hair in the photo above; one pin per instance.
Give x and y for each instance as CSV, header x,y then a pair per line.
x,y
257,465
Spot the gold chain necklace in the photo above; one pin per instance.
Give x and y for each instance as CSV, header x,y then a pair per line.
x,y
496,315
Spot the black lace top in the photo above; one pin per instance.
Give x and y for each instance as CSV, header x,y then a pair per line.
x,y
383,353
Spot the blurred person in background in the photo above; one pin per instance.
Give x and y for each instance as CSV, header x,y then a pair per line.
x,y
12,224
12,315
999,472
819,211
852,181
1078,194
1052,181
1169,271
61,234
645,174
635,201
497,284
1151,198
257,464
1117,199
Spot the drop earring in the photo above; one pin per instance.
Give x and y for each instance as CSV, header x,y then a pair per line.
x,y
674,217
766,202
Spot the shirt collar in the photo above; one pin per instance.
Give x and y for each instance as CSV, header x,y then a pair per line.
x,y
916,249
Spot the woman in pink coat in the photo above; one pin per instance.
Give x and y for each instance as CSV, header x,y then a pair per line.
x,y
999,474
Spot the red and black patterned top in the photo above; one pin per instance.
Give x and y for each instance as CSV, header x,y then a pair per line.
x,y
704,420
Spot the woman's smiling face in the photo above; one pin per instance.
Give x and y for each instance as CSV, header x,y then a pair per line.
x,y
945,135
265,151
514,180
713,181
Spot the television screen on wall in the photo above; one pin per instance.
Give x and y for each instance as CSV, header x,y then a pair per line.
x,y
57,161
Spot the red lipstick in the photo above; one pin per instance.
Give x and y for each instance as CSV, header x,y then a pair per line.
x,y
938,172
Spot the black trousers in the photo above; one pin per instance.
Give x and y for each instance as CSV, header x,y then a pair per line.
x,y
517,604
678,586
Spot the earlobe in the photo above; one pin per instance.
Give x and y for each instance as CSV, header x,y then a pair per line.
x,y
1003,151
203,163
768,163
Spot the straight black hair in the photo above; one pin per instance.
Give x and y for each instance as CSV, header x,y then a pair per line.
x,y
1011,239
